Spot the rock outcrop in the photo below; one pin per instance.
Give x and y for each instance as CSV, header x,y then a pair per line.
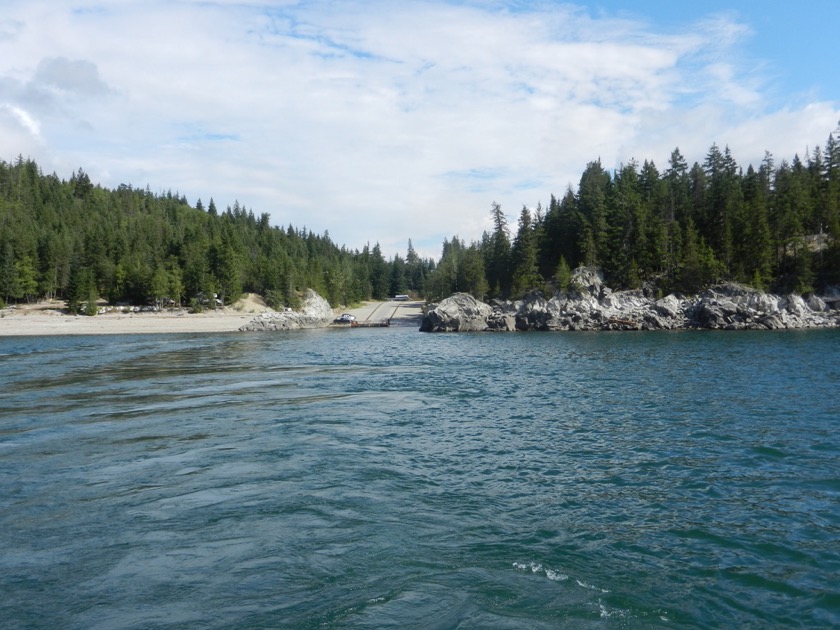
x,y
591,305
458,313
315,312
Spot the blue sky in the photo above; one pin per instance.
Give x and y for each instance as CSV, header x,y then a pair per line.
x,y
793,42
381,121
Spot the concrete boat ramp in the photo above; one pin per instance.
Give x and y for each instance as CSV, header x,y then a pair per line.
x,y
385,314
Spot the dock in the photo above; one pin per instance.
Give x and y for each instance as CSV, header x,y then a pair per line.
x,y
383,324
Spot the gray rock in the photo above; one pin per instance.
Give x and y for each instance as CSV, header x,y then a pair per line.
x,y
817,304
705,314
458,313
501,322
795,305
669,306
315,312
593,306
763,303
771,322
588,279
533,312
652,321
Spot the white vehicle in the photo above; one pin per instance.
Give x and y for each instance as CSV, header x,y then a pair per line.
x,y
345,318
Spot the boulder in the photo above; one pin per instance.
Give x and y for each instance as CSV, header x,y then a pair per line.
x,y
708,314
533,313
771,321
763,303
501,322
831,297
590,279
315,312
795,305
458,313
669,306
817,304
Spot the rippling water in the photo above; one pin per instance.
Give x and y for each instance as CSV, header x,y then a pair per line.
x,y
386,478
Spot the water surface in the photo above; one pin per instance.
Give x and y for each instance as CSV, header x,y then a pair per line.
x,y
386,478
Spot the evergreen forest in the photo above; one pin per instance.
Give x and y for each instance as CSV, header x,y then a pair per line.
x,y
775,227
79,242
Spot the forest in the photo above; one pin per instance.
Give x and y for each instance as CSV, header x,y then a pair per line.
x,y
774,227
79,242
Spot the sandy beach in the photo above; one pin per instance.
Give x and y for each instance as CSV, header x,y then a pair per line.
x,y
51,318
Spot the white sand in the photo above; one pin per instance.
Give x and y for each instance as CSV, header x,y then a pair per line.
x,y
51,318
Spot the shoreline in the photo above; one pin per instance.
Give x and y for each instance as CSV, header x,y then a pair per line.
x,y
57,323
50,318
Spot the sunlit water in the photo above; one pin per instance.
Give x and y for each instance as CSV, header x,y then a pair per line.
x,y
386,478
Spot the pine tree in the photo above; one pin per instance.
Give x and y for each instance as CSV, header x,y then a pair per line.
x,y
443,280
525,274
470,276
497,255
723,203
80,289
8,271
627,229
415,269
379,277
698,267
562,275
593,192
398,283
756,247
160,285
26,283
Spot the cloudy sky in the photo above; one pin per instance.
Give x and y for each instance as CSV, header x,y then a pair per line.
x,y
380,121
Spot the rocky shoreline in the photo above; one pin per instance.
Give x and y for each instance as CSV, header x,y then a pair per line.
x,y
594,306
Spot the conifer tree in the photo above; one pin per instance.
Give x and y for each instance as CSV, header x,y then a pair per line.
x,y
562,275
470,274
378,274
593,192
398,283
497,256
755,248
525,274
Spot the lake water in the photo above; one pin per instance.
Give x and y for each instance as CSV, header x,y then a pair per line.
x,y
385,478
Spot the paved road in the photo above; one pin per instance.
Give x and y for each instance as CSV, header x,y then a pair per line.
x,y
400,313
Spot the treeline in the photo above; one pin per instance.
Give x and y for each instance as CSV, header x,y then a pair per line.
x,y
773,227
76,241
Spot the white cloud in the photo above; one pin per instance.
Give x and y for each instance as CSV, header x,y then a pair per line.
x,y
25,119
378,121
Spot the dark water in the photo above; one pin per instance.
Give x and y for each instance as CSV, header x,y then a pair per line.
x,y
385,478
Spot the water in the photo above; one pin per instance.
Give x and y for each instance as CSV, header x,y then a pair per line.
x,y
385,478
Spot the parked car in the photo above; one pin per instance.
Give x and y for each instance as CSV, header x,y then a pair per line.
x,y
345,318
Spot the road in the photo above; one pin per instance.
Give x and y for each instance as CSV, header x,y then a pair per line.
x,y
400,313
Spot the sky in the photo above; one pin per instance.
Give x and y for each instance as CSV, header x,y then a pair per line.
x,y
384,121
